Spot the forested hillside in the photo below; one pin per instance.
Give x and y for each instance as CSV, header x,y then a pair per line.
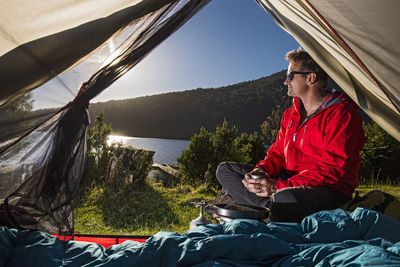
x,y
179,115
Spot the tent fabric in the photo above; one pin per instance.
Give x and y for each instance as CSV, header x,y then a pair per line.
x,y
327,238
41,18
104,240
42,167
356,43
41,41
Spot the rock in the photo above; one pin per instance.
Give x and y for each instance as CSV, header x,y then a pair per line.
x,y
164,173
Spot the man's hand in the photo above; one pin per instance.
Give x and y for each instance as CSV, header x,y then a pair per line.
x,y
262,187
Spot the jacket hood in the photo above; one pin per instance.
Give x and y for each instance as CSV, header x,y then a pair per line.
x,y
334,97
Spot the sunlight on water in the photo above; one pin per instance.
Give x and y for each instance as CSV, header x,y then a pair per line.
x,y
166,150
117,139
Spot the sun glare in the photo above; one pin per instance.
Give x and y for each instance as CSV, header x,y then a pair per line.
x,y
113,58
115,139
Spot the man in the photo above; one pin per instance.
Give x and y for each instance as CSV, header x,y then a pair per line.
x,y
314,162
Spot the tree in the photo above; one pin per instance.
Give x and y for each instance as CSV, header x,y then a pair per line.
x,y
113,163
97,142
207,149
256,145
271,125
194,161
13,117
379,156
227,147
195,108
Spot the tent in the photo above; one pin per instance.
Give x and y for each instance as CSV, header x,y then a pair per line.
x,y
94,42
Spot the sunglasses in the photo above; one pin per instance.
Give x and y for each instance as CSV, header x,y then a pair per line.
x,y
290,74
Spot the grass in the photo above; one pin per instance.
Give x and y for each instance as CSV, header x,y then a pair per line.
x,y
138,209
393,190
148,209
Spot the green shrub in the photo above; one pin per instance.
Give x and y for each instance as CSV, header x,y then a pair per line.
x,y
255,145
194,161
272,123
15,117
134,164
207,149
113,164
379,156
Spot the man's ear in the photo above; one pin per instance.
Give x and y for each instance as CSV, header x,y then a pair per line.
x,y
311,78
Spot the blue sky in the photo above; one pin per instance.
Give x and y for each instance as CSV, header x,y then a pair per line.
x,y
227,42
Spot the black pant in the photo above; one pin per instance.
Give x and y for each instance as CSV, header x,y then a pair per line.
x,y
289,204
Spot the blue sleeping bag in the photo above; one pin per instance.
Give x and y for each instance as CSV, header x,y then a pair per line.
x,y
326,238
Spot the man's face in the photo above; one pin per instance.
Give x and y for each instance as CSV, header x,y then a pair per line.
x,y
297,85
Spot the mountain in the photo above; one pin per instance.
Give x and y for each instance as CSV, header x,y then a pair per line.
x,y
179,115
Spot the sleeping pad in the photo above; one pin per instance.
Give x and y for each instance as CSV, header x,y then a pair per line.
x,y
326,238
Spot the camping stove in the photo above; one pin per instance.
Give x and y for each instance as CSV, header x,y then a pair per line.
x,y
201,220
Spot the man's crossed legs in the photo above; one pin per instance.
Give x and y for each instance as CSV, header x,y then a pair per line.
x,y
287,205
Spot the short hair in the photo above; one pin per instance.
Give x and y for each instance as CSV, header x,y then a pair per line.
x,y
307,64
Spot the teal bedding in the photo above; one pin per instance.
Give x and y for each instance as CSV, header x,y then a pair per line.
x,y
327,238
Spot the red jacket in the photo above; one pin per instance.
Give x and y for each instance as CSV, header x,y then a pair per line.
x,y
324,150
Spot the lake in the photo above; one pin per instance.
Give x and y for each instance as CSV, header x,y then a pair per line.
x,y
166,150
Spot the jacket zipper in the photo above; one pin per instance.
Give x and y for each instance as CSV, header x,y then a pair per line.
x,y
304,134
294,135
